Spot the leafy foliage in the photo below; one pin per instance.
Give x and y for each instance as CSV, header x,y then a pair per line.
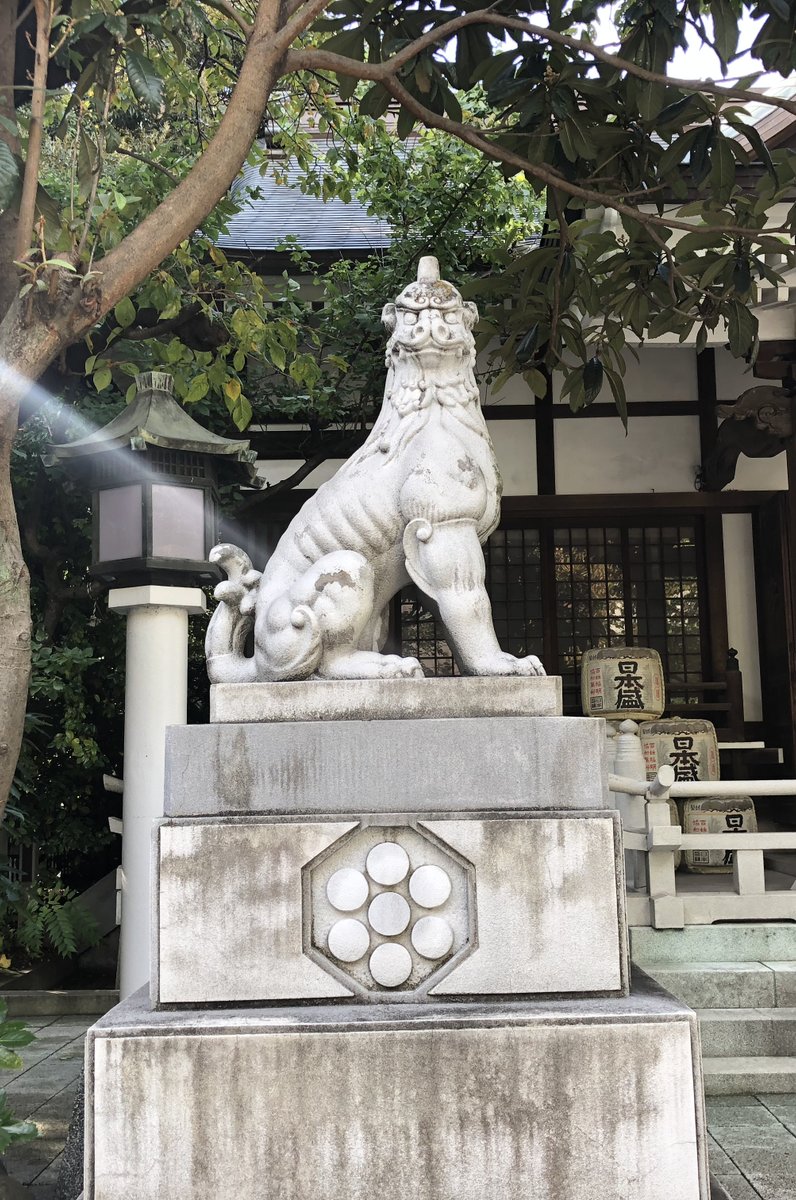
x,y
630,162
47,919
658,193
74,729
14,1036
439,197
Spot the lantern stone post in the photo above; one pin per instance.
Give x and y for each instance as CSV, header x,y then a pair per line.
x,y
154,473
155,696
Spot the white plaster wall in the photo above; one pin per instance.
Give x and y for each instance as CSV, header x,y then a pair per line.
x,y
514,391
659,454
273,470
661,373
760,474
733,376
742,607
515,447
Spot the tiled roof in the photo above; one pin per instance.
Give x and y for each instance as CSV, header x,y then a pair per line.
x,y
282,210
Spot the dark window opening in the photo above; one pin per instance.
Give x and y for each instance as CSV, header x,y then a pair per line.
x,y
558,590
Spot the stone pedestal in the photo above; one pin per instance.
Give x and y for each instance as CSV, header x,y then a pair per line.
x,y
389,959
567,1100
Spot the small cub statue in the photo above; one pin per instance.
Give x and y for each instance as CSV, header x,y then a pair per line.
x,y
414,503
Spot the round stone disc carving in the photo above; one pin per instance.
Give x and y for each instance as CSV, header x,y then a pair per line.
x,y
390,964
389,914
349,940
347,889
429,886
432,937
388,863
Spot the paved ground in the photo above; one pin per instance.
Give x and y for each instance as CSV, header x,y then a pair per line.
x,y
752,1145
44,1090
752,1138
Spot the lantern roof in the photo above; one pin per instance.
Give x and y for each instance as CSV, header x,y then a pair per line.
x,y
154,418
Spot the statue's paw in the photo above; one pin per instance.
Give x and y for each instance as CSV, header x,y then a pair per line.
x,y
412,669
530,666
395,667
507,664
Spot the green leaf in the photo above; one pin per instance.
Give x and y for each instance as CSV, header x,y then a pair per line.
x,y
758,145
144,80
526,350
350,43
200,386
375,102
741,328
673,155
124,312
9,176
240,410
592,379
9,1060
700,239
725,30
87,163
722,170
700,162
102,378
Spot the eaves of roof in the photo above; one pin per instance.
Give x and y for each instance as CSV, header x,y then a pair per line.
x,y
275,209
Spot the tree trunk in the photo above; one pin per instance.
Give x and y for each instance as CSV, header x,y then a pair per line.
x,y
33,331
25,350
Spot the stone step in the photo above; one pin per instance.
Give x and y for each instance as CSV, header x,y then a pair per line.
x,y
763,941
719,984
743,1032
749,1075
65,1003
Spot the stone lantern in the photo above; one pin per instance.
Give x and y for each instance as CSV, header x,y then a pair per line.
x,y
154,472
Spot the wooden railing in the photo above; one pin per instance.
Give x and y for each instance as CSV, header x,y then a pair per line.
x,y
659,903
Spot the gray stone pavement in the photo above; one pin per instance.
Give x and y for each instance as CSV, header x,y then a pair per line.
x,y
44,1091
752,1145
752,1139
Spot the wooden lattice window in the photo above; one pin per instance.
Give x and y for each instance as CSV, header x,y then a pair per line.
x,y
558,590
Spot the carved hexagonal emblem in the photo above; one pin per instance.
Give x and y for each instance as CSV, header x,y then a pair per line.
x,y
389,910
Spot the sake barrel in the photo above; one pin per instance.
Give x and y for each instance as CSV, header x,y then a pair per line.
x,y
716,814
622,681
687,744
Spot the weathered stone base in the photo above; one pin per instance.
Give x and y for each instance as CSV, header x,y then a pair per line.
x,y
593,1100
387,699
536,900
385,766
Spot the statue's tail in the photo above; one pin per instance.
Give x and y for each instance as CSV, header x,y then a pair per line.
x,y
289,641
233,619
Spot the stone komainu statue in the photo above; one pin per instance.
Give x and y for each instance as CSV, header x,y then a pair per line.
x,y
414,503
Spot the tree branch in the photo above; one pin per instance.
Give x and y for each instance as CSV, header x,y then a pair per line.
x,y
30,181
179,214
229,10
301,60
299,20
148,162
284,485
581,45
143,332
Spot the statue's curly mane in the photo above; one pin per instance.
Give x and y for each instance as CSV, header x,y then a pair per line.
x,y
414,386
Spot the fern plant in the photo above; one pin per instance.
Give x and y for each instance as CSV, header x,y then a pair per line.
x,y
13,1036
52,918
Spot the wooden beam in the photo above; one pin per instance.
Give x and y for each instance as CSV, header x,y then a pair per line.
x,y
706,401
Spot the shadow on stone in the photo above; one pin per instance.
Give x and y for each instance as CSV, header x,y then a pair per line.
x,y
70,1176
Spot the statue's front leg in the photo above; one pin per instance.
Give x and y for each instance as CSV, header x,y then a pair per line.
x,y
447,563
